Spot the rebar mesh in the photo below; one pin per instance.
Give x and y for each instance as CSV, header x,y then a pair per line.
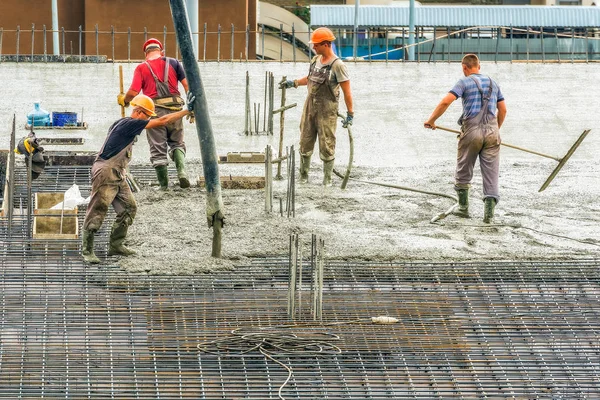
x,y
466,330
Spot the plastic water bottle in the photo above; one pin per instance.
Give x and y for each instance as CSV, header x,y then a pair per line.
x,y
39,116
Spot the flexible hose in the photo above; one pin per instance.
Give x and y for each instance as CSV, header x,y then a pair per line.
x,y
351,158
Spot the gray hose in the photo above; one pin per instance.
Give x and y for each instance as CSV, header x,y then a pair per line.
x,y
434,219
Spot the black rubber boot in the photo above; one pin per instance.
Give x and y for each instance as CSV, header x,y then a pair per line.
x,y
463,203
489,203
179,158
304,167
117,237
87,247
162,173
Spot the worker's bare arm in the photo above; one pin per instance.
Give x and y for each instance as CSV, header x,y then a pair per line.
x,y
166,119
501,112
130,95
439,110
347,96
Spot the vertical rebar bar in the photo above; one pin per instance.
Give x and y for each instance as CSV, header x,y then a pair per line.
x,y
262,34
293,43
247,106
112,41
1,37
572,45
45,45
232,42
542,44
527,43
511,44
448,37
387,45
557,44
587,55
32,41
219,43
268,179
247,49
97,45
63,40
165,39
128,44
204,45
265,107
257,119
368,33
281,127
280,42
18,40
291,310
272,100
497,44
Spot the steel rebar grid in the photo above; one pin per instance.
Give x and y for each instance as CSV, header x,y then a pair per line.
x,y
466,330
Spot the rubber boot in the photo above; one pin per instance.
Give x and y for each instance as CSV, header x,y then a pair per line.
x,y
489,203
463,203
304,167
117,237
179,158
87,247
162,173
327,170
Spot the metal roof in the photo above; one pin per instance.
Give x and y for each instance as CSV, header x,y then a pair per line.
x,y
517,16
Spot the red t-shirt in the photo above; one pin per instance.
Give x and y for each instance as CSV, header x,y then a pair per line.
x,y
143,82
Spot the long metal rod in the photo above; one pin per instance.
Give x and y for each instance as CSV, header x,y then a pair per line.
x,y
505,144
214,202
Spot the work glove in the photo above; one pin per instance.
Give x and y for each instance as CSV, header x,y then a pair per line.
x,y
121,100
190,101
346,122
191,118
288,84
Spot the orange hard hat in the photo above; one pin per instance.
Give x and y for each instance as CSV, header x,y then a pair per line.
x,y
144,102
321,35
152,42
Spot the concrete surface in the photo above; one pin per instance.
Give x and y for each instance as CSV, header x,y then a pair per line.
x,y
548,108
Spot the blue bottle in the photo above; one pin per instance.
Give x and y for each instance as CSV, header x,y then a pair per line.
x,y
39,116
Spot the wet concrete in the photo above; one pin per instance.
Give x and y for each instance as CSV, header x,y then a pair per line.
x,y
549,105
548,108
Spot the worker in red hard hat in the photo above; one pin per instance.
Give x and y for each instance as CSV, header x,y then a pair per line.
x,y
109,185
326,75
158,77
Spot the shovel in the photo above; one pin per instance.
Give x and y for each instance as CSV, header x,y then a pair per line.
x,y
561,161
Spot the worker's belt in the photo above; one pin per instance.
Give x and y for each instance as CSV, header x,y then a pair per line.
x,y
171,101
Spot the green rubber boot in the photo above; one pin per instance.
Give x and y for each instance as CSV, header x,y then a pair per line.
x,y
304,167
179,158
489,203
87,247
463,203
162,173
327,170
117,237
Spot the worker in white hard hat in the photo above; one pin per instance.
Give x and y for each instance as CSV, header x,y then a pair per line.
x,y
109,185
158,77
327,74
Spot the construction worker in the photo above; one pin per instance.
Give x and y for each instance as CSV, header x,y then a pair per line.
x,y
29,147
158,77
326,75
484,110
109,185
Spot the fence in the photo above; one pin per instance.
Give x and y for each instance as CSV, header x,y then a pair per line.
x,y
431,44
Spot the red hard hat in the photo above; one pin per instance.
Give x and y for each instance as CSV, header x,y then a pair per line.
x,y
152,42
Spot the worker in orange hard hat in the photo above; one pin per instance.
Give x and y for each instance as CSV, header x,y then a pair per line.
x,y
158,77
326,75
108,175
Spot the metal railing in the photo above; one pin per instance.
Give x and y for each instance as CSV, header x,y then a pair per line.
x,y
432,44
